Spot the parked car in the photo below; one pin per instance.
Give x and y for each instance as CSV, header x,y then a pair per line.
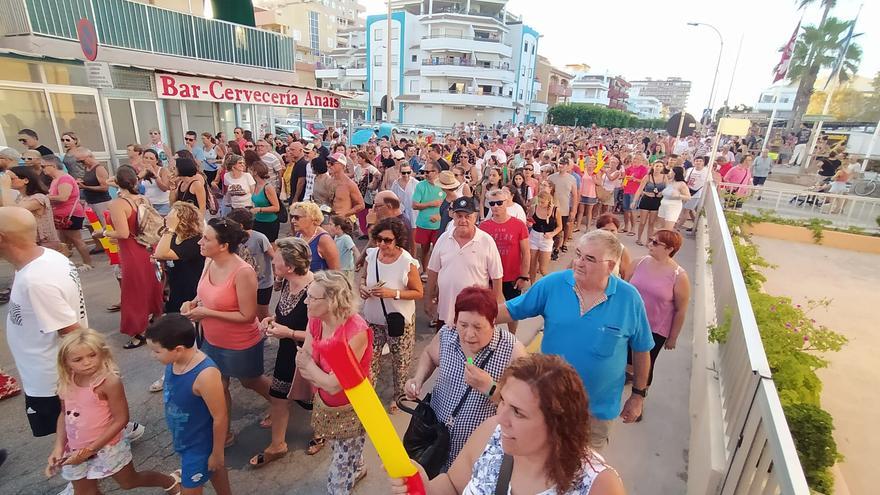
x,y
316,127
282,130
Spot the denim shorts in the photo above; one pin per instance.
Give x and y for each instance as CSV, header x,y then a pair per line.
x,y
244,363
628,202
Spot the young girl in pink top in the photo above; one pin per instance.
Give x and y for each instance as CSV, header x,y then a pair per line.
x,y
90,445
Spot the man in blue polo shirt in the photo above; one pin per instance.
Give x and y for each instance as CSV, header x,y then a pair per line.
x,y
592,319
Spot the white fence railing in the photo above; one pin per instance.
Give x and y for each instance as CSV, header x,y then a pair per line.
x,y
757,450
840,210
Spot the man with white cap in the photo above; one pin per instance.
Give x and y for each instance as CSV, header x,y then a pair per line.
x,y
463,256
391,174
347,199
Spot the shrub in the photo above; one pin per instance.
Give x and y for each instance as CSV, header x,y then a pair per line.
x,y
584,114
811,428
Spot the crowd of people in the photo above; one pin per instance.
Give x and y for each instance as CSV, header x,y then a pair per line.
x,y
344,240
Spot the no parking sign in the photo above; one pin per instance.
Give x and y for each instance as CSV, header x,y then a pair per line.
x,y
88,39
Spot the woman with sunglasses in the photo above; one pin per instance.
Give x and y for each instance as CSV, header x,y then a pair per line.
x,y
68,213
74,155
390,284
528,172
162,150
665,288
305,220
492,182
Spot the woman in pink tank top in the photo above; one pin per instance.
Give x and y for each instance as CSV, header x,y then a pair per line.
x,y
226,308
665,288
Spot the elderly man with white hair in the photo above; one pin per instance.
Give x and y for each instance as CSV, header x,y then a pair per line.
x,y
9,158
593,319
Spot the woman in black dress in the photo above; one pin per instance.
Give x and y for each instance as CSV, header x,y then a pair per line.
x,y
291,266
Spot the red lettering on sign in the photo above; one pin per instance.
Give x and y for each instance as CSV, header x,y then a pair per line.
x,y
275,98
258,97
168,86
229,94
215,85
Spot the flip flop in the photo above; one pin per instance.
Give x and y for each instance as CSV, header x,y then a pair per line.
x,y
640,243
264,458
266,422
230,441
631,233
113,308
315,446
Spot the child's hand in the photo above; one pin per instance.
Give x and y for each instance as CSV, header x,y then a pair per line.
x,y
216,461
79,457
55,460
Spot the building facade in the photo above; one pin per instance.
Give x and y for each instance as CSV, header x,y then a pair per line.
x,y
213,77
450,62
591,89
645,107
553,88
672,92
618,93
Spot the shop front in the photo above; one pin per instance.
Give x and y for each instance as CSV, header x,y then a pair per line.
x,y
53,96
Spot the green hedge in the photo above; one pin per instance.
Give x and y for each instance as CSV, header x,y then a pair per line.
x,y
794,344
585,115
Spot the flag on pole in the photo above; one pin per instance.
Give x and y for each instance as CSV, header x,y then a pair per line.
x,y
781,69
842,54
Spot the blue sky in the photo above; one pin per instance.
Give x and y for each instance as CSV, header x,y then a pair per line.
x,y
645,38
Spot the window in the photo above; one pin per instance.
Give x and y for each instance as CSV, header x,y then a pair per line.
x,y
395,33
395,60
200,116
378,85
145,117
377,61
123,123
314,35
415,58
297,35
526,47
66,74
520,95
378,34
331,43
19,70
28,109
414,86
79,113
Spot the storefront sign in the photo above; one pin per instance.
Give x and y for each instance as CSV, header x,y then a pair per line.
x,y
176,87
98,74
349,104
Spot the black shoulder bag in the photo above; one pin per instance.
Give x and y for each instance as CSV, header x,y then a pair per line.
x,y
427,439
395,322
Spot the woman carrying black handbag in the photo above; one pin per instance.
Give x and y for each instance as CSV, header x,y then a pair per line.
x,y
471,356
390,287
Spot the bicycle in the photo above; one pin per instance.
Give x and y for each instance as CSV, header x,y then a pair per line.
x,y
865,187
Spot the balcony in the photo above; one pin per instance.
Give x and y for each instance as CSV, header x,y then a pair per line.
x,y
465,44
556,89
538,107
467,69
465,98
136,26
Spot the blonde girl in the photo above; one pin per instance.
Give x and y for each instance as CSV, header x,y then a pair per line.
x,y
90,444
545,222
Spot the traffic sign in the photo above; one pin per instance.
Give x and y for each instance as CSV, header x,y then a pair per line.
x,y
88,39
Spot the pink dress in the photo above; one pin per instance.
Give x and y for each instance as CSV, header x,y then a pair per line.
x,y
86,415
353,326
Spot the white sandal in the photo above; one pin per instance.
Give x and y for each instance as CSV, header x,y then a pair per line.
x,y
176,476
158,385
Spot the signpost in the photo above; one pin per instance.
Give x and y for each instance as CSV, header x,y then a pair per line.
x,y
88,39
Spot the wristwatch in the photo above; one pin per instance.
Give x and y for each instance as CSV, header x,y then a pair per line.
x,y
397,296
491,389
639,391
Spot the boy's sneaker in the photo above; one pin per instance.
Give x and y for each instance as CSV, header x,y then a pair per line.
x,y
133,431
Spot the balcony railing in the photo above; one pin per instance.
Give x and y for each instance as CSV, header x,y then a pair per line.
x,y
739,411
463,37
137,26
466,63
464,92
557,89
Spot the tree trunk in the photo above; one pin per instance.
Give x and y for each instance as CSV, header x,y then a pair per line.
x,y
805,88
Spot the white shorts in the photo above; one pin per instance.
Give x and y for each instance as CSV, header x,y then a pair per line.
x,y
537,242
670,209
107,462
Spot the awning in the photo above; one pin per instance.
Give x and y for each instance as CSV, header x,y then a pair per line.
x,y
487,57
487,82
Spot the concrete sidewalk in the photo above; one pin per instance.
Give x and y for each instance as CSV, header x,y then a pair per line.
x,y
650,456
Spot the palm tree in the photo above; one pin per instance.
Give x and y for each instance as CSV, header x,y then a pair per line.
x,y
805,88
815,49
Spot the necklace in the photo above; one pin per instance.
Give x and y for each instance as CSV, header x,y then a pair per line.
x,y
186,366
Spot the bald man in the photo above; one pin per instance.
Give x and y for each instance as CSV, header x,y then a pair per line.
x,y
46,302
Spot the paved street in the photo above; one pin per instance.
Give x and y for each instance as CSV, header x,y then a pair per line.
x,y
650,456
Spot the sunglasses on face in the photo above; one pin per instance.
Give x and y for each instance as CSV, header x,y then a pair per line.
x,y
496,203
22,141
405,173
249,147
528,169
295,217
154,134
385,240
189,139
67,140
655,242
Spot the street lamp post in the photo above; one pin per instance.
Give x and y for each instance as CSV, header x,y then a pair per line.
x,y
717,64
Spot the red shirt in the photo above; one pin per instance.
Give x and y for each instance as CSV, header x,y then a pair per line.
x,y
634,175
354,325
725,167
507,237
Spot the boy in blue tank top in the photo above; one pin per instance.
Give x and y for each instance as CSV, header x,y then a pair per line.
x,y
195,404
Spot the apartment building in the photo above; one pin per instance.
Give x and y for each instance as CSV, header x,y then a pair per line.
x,y
672,92
554,88
451,62
150,67
645,107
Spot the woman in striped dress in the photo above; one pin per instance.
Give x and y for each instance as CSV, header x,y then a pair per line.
x,y
471,357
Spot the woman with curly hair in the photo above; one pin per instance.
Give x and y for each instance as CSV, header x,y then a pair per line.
x,y
544,422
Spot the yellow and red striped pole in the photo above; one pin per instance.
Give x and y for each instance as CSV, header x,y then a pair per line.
x,y
369,409
109,246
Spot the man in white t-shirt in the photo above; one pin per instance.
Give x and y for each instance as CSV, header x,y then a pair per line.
x,y
696,178
46,302
496,151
